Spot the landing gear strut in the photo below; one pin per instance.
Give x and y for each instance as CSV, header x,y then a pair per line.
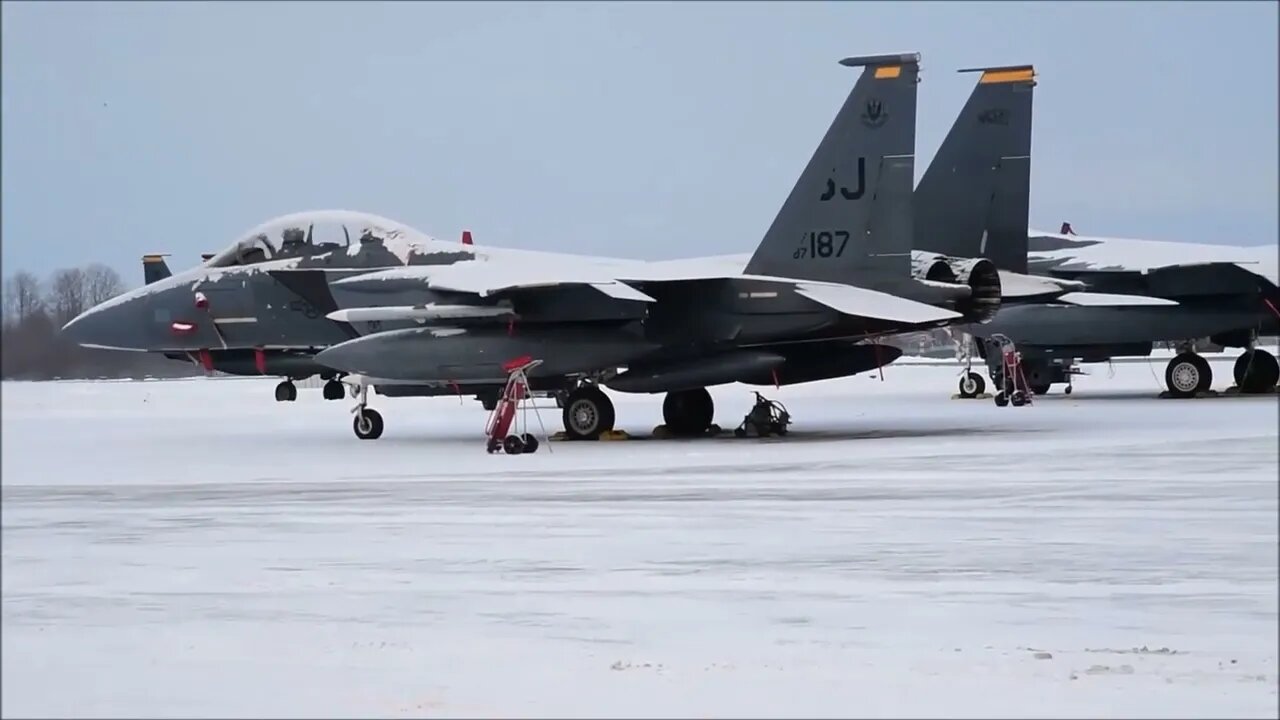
x,y
368,422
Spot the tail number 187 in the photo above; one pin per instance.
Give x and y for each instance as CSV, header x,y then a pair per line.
x,y
822,244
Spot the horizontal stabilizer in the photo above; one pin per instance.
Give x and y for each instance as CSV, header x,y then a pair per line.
x,y
860,302
432,311
1017,286
622,291
1113,300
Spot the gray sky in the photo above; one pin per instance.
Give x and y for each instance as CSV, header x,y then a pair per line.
x,y
646,130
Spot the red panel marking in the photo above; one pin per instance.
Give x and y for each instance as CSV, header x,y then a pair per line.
x,y
206,360
260,360
514,363
466,237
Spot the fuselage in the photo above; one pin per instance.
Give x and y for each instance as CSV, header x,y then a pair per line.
x,y
1225,293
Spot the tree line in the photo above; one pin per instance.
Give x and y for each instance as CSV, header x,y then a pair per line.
x,y
31,346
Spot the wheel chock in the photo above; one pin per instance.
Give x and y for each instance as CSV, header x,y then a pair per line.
x,y
611,435
662,433
1166,395
1235,390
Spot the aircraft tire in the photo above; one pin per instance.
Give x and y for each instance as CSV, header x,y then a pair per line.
x,y
1188,374
333,390
1256,371
368,424
286,392
688,412
1040,389
588,413
972,385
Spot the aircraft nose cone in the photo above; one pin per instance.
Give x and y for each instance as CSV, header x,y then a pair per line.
x,y
109,325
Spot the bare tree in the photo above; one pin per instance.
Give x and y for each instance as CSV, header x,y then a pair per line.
x,y
22,297
101,283
68,294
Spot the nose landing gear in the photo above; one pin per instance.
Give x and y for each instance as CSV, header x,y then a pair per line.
x,y
368,422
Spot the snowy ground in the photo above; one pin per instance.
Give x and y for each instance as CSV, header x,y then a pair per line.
x,y
195,549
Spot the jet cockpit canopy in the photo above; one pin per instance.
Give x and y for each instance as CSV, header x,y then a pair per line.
x,y
316,232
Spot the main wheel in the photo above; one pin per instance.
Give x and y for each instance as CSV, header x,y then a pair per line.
x,y
588,413
332,390
1256,371
286,392
972,385
368,424
1188,374
688,412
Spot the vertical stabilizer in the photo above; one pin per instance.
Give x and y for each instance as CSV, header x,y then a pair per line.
x,y
974,199
848,218
154,268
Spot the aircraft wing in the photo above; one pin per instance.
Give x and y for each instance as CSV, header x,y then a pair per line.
x,y
621,280
488,279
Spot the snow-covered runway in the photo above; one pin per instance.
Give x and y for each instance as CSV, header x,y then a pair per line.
x,y
195,549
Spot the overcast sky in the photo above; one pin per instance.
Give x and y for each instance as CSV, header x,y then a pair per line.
x,y
645,130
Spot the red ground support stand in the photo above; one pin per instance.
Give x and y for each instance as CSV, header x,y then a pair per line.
x,y
515,396
1014,388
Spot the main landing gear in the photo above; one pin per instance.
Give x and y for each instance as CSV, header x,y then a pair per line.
x,y
286,391
1189,374
588,413
1256,371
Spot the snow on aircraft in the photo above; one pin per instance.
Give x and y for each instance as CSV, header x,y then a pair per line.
x,y
412,315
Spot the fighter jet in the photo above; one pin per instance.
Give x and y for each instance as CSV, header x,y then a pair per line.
x,y
1194,295
832,271
692,327
1128,294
